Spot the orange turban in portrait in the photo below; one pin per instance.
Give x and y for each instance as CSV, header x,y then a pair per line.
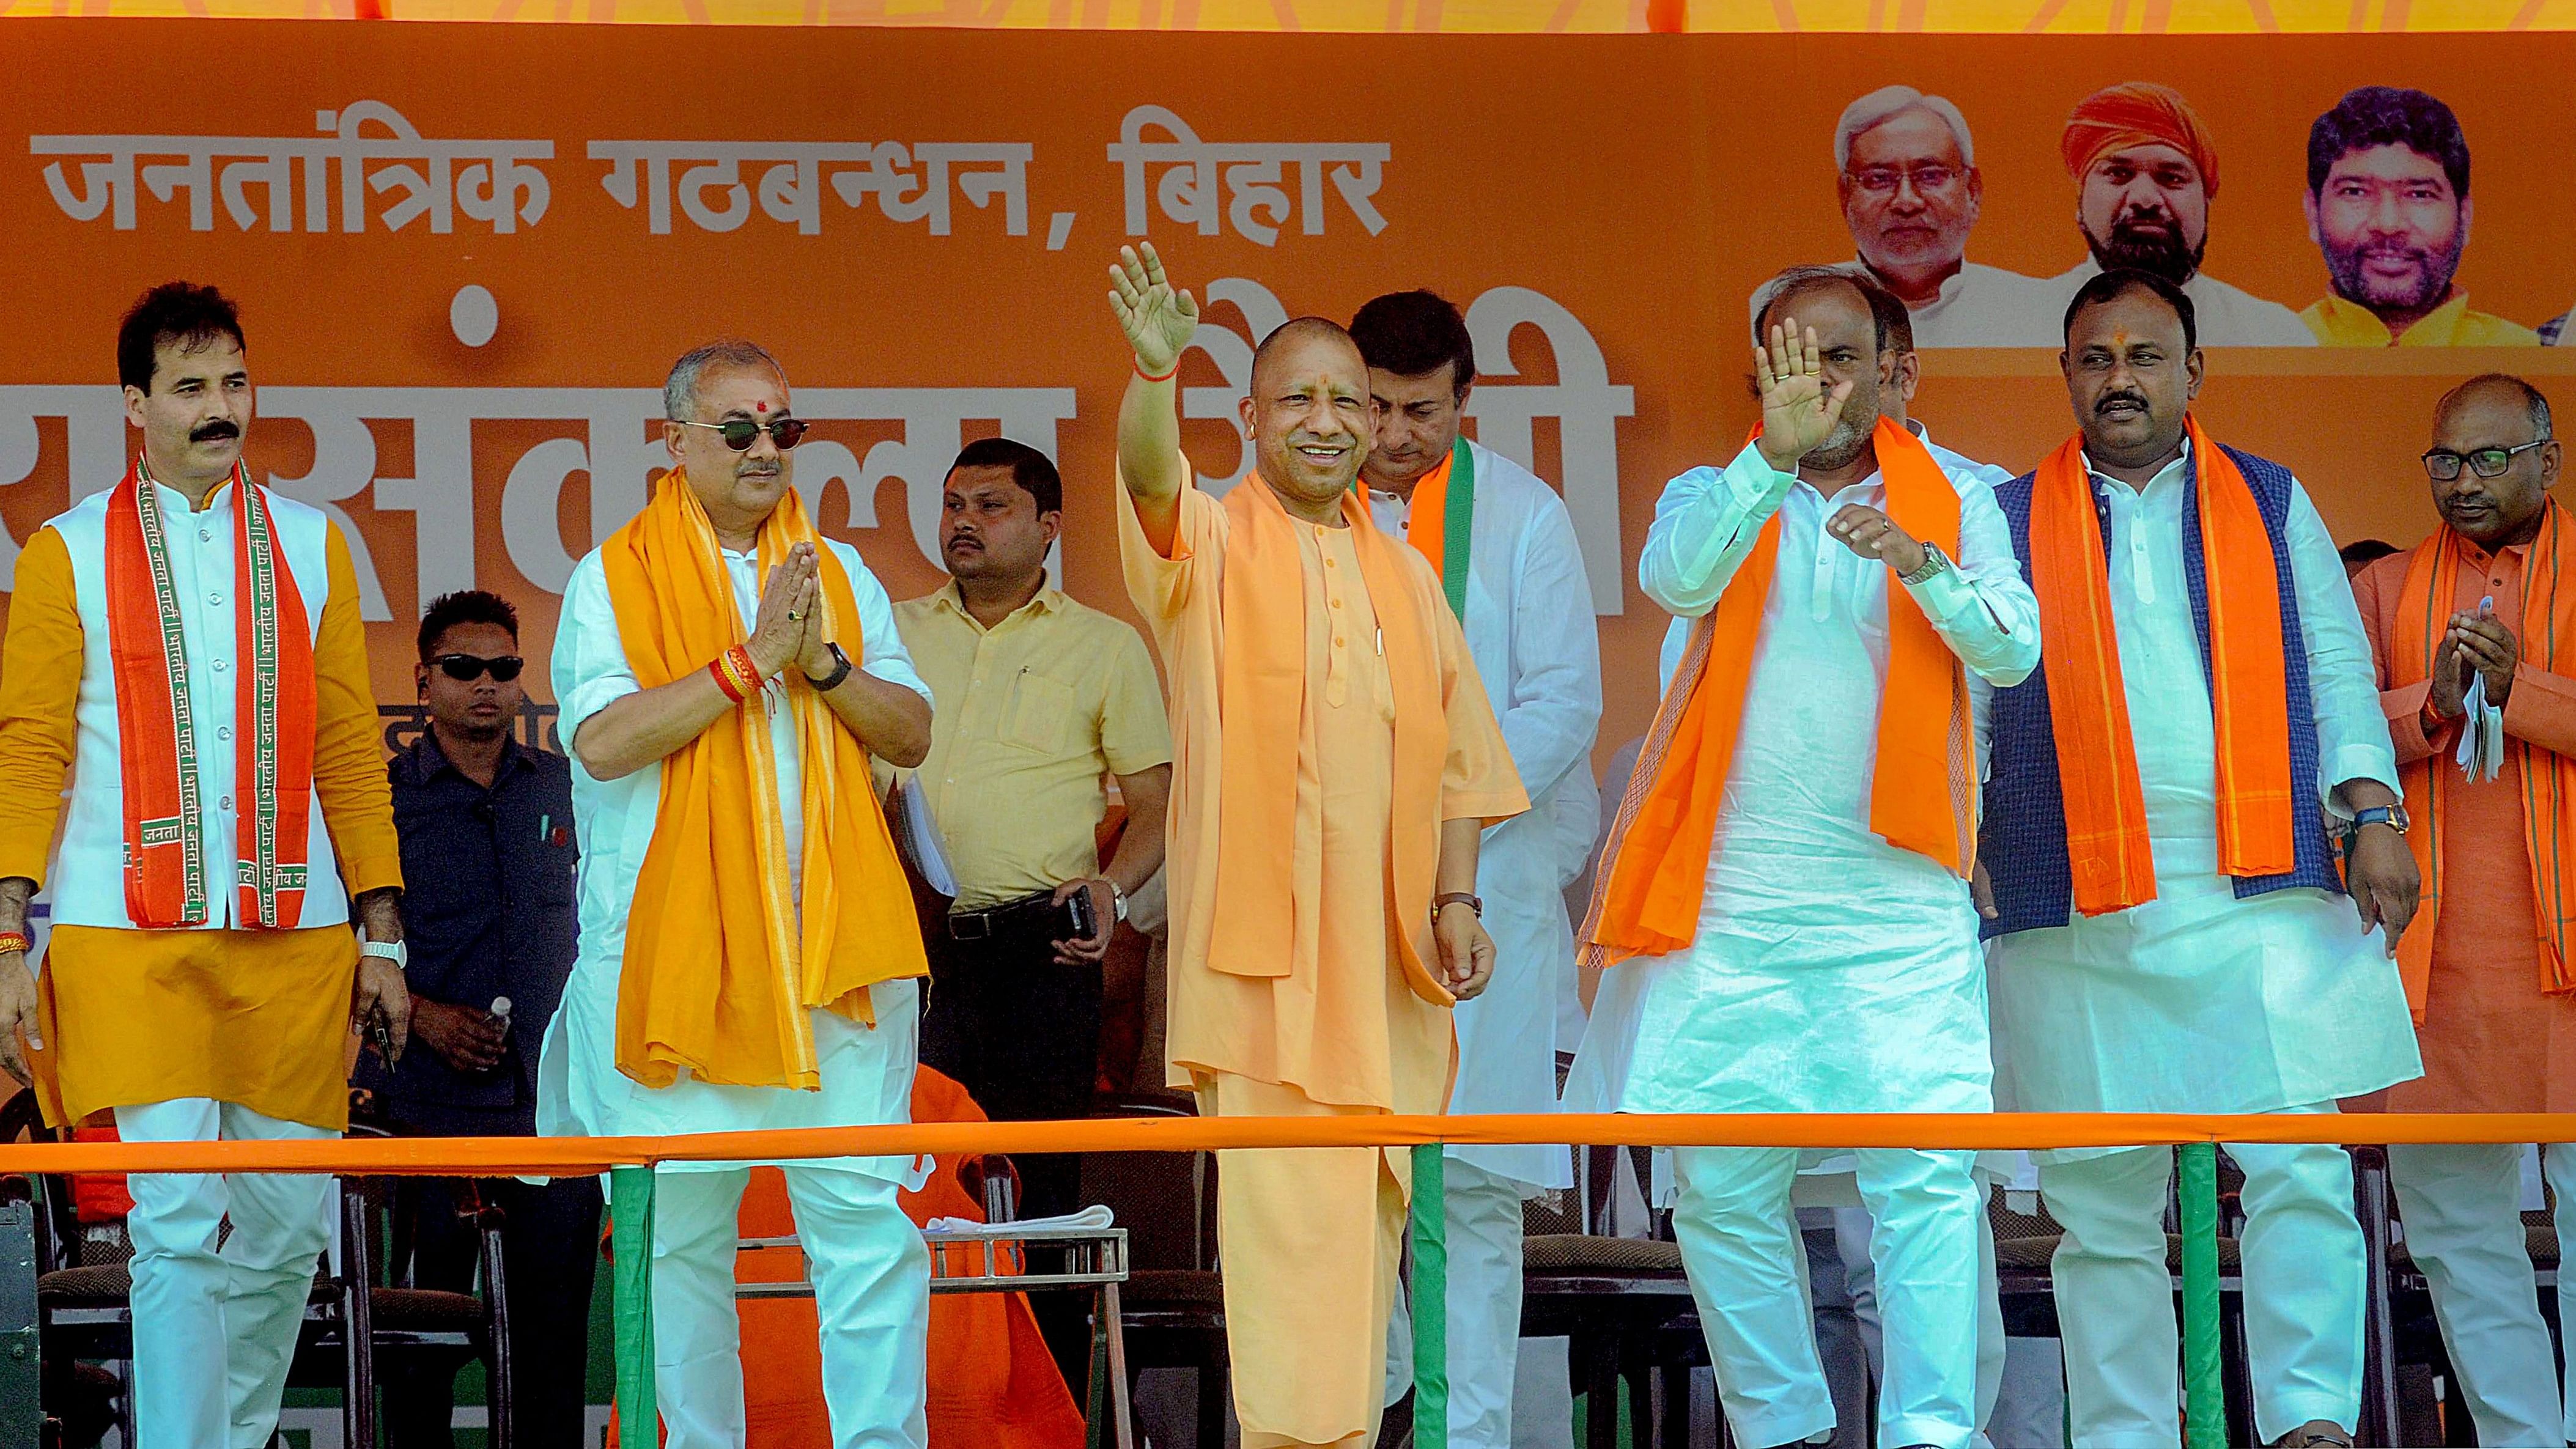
x,y
2138,113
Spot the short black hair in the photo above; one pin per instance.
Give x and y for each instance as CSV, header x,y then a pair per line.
x,y
1029,468
465,606
2363,552
1412,333
1892,324
2119,282
2389,116
180,312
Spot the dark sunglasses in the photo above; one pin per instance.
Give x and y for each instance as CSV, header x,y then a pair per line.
x,y
2443,465
469,667
739,432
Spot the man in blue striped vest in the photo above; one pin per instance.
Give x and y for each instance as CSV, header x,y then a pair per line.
x,y
2170,931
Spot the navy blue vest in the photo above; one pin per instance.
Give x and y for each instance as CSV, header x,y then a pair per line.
x,y
2024,840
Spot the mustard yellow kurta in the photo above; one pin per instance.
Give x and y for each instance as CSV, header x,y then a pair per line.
x,y
258,1018
1309,1236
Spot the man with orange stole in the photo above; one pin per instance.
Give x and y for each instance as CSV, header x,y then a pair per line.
x,y
2170,930
185,655
1787,883
2466,628
748,941
1335,760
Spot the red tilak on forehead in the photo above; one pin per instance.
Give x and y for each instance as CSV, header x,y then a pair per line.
x,y
760,407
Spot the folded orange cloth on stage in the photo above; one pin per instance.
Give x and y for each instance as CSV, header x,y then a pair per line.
x,y
992,1383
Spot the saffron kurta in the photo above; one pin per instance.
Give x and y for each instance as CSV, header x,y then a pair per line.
x,y
1310,1237
254,1017
2492,1042
1335,1026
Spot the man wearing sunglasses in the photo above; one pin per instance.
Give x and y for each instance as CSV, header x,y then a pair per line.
x,y
748,939
2468,629
487,843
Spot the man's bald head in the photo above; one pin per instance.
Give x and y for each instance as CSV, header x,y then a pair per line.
x,y
1296,336
1308,413
2496,387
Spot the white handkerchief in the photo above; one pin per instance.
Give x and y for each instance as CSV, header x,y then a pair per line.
x,y
1095,1216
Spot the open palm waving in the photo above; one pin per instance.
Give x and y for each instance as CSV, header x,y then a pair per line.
x,y
1798,410
1159,318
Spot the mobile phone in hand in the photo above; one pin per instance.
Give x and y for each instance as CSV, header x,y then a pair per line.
x,y
1080,922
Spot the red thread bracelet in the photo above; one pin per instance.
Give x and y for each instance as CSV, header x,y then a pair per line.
x,y
1166,377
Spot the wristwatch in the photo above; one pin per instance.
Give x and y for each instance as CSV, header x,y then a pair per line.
x,y
840,671
1455,898
1935,564
2392,816
393,951
1117,901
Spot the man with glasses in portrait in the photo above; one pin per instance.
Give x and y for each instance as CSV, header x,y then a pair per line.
x,y
487,846
1906,171
2466,627
749,949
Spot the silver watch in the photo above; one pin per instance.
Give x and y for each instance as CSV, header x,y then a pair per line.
x,y
1935,564
393,951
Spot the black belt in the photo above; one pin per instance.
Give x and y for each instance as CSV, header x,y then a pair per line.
x,y
1032,914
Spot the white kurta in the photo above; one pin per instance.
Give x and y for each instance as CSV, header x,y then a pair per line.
x,y
866,1071
2197,1001
2222,315
1832,972
1531,630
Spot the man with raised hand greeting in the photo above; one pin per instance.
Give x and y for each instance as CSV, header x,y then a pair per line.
x,y
748,940
1324,920
1790,867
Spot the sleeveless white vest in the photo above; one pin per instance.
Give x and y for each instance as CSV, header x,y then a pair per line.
x,y
88,879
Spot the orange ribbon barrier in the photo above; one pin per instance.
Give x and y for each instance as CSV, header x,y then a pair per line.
x,y
584,1156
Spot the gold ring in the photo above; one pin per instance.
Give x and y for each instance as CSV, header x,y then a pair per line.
x,y
792,614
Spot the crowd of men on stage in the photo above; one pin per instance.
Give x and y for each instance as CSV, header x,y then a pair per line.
x,y
2093,789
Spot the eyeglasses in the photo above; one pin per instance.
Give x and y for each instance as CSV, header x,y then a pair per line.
x,y
739,432
2443,465
467,668
1883,180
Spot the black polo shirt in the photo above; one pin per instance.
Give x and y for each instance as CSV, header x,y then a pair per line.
x,y
488,911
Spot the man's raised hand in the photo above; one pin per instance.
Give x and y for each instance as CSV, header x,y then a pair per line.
x,y
1159,318
1798,410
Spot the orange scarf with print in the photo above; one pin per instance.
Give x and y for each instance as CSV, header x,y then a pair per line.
x,y
2424,606
161,743
721,966
2088,704
1654,873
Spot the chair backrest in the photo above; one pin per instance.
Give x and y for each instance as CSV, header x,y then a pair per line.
x,y
1165,1200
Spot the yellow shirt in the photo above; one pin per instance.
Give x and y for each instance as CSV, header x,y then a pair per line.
x,y
2339,323
1032,717
258,1018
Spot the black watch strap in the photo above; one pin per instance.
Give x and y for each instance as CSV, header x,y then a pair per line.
x,y
840,670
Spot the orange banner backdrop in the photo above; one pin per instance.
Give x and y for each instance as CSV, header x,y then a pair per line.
x,y
466,255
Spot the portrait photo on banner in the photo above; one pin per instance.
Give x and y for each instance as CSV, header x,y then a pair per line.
x,y
463,295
